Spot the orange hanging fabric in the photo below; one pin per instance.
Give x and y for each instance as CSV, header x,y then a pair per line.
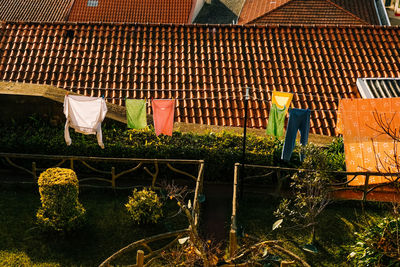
x,y
365,148
163,116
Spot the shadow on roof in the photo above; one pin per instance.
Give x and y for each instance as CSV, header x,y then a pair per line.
x,y
215,13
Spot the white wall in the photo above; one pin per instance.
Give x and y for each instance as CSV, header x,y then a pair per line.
x,y
198,6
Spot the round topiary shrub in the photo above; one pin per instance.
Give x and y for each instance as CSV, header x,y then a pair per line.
x,y
144,206
61,210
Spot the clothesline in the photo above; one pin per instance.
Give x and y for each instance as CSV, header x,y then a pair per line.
x,y
192,98
148,102
219,89
241,96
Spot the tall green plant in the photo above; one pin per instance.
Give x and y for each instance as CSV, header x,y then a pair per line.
x,y
310,188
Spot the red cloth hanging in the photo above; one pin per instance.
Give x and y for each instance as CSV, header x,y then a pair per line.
x,y
163,116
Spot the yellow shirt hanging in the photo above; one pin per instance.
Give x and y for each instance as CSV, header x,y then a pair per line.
x,y
282,99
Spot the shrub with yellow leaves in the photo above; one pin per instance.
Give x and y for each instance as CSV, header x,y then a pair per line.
x,y
144,206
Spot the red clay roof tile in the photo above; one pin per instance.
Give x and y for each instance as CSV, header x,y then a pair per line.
x,y
143,11
34,10
364,9
309,12
205,67
253,9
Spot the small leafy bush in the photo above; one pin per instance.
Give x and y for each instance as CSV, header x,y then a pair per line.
x,y
144,206
335,153
378,245
61,210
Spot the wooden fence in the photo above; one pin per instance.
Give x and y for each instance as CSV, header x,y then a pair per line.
x,y
71,161
280,175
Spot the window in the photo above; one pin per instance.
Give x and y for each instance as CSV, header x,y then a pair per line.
x,y
93,3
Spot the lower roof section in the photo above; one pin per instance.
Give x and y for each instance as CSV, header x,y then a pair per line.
x,y
309,12
143,11
205,67
34,10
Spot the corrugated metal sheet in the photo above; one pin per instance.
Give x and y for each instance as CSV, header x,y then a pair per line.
x,y
379,88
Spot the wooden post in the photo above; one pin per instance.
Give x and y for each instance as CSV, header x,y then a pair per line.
x,y
113,177
139,258
232,243
34,174
198,190
279,183
153,182
365,187
234,198
232,233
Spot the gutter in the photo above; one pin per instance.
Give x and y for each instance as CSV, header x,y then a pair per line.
x,y
381,12
69,10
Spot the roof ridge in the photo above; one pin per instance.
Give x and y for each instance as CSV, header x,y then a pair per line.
x,y
347,11
274,9
197,25
240,13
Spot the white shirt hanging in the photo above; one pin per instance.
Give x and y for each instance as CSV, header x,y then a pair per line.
x,y
84,114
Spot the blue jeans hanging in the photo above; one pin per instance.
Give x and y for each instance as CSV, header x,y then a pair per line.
x,y
299,120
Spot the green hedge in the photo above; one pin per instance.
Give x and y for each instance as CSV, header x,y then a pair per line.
x,y
219,150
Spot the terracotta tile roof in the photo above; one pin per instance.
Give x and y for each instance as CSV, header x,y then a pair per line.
x,y
364,9
253,9
143,11
34,10
309,12
206,67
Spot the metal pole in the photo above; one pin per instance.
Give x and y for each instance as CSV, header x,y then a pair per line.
x,y
246,103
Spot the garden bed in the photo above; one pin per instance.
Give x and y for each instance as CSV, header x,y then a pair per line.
x,y
334,233
106,230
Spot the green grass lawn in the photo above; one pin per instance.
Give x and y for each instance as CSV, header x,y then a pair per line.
x,y
107,230
335,232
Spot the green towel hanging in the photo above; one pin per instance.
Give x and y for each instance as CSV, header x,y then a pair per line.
x,y
136,113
